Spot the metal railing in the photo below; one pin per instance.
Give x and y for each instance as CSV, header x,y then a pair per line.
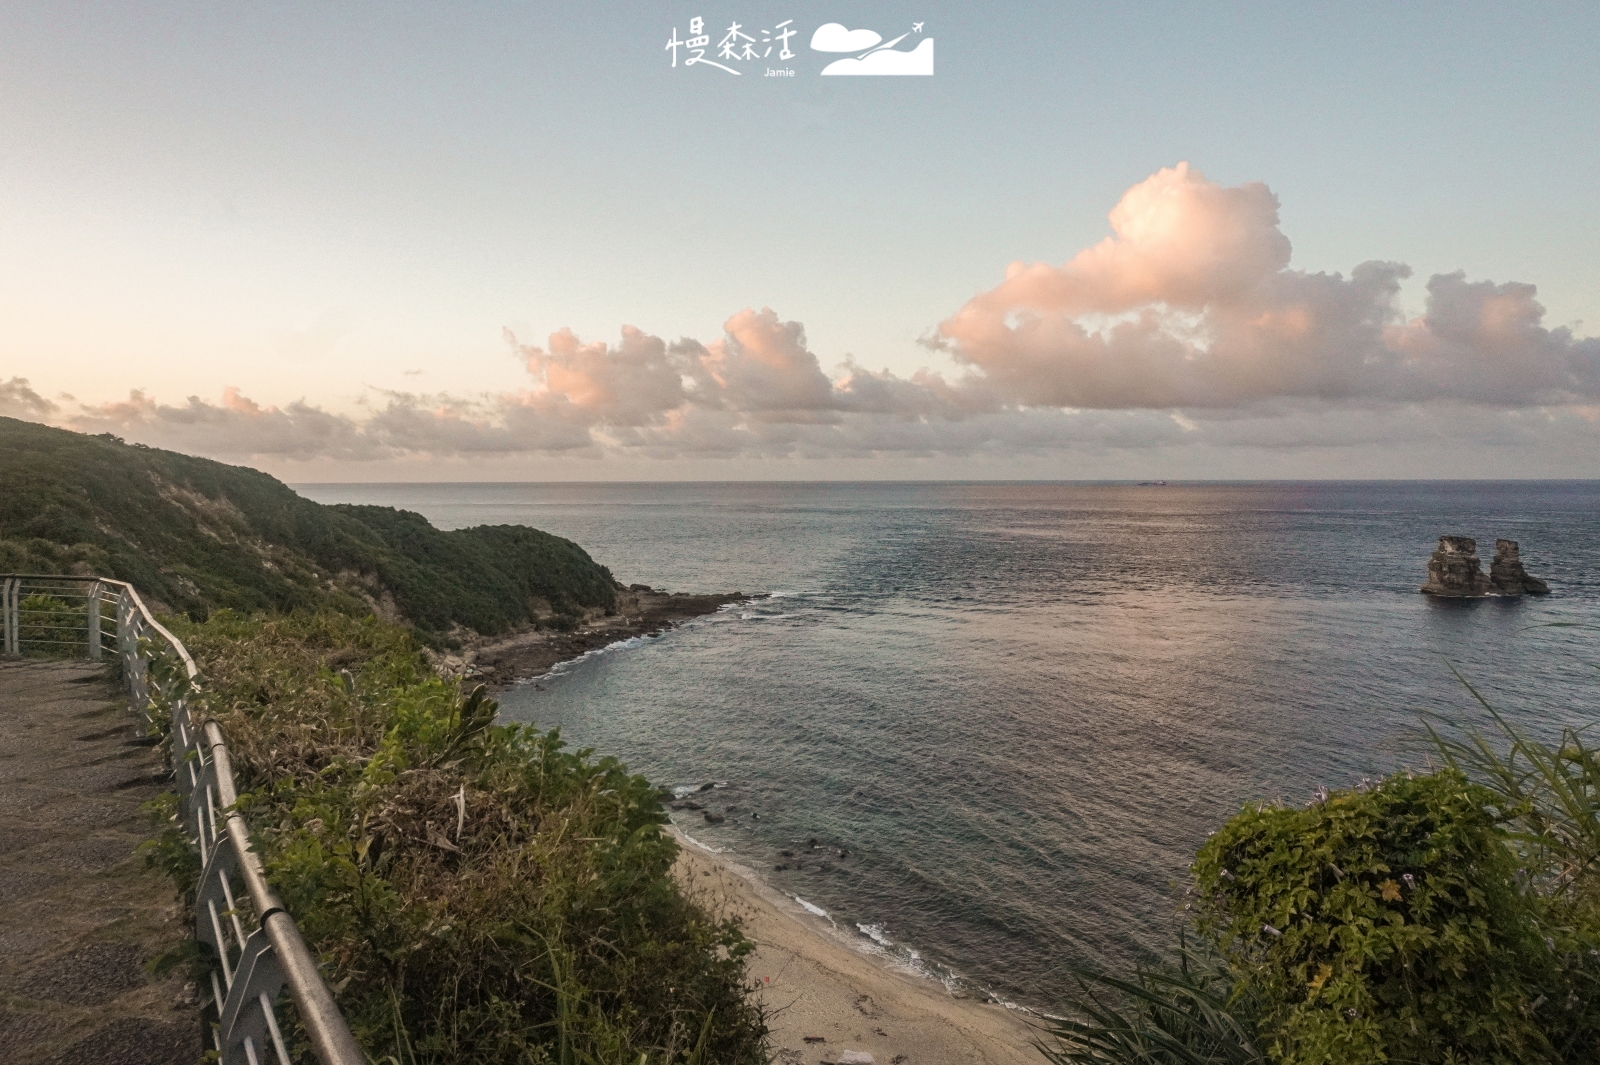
x,y
78,617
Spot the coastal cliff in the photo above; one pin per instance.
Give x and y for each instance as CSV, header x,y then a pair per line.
x,y
197,536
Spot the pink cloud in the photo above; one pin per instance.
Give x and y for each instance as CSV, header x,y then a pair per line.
x,y
1186,325
629,384
1191,304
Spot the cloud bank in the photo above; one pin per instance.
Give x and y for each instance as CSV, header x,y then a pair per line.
x,y
1191,304
1186,325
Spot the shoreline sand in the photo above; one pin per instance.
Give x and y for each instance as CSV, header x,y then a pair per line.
x,y
817,983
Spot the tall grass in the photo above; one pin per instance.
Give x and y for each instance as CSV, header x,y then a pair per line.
x,y
1551,793
1187,1013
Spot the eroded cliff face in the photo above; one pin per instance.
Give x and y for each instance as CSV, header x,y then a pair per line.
x,y
1507,575
1453,570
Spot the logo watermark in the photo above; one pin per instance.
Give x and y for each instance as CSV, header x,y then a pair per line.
x,y
742,48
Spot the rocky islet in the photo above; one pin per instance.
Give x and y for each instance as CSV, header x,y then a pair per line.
x,y
1454,570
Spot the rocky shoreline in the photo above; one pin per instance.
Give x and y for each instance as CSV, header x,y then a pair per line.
x,y
501,661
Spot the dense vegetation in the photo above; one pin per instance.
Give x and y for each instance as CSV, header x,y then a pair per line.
x,y
197,536
1439,918
479,892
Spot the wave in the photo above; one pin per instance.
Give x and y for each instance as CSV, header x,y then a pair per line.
x,y
566,665
876,933
817,911
703,846
683,791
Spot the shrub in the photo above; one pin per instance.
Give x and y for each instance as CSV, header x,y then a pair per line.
x,y
1386,925
1450,917
478,892
49,627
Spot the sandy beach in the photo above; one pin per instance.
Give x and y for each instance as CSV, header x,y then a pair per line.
x,y
824,996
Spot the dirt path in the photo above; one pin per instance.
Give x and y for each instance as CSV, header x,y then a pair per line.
x,y
79,913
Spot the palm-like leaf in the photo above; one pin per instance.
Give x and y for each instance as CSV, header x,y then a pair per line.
x,y
1187,1014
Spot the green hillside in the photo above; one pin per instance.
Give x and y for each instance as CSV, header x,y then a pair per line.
x,y
199,535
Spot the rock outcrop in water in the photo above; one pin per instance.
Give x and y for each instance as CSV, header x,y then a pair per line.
x,y
1453,570
1507,575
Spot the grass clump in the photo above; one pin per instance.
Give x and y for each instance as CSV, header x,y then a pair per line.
x,y
480,893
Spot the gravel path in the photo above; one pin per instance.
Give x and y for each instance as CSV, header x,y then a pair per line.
x,y
80,915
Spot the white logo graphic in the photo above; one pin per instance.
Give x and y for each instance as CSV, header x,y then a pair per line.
x,y
875,58
736,46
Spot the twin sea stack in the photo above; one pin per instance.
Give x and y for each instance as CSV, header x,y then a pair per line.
x,y
1453,570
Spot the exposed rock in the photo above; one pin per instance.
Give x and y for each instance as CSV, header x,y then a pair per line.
x,y
1508,576
639,611
712,817
1453,569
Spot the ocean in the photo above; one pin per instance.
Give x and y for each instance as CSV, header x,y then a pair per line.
x,y
992,722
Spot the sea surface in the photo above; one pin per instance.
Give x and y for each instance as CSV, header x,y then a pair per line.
x,y
1007,714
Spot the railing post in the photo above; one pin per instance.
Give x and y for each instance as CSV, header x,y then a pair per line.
x,y
246,1015
8,604
93,613
123,608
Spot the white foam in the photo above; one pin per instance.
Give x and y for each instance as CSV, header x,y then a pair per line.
x,y
809,908
565,667
703,846
877,934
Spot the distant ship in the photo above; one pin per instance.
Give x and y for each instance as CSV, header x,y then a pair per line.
x,y
1152,484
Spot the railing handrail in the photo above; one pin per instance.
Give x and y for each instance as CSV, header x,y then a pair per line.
x,y
274,955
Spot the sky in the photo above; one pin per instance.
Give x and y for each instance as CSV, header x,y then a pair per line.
x,y
517,241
